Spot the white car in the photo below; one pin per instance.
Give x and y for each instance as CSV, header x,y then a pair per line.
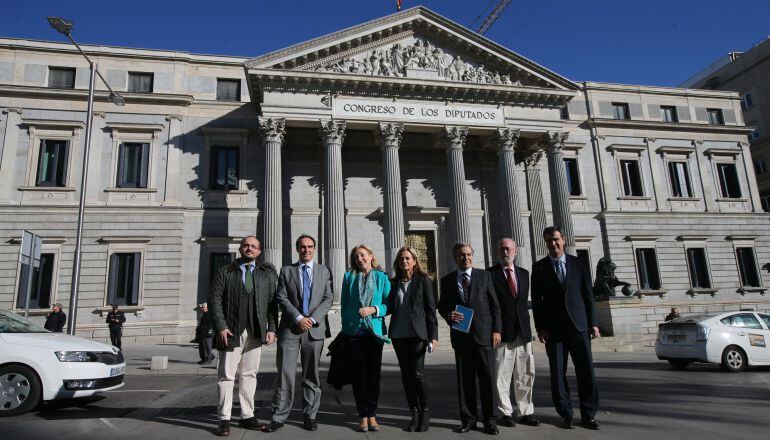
x,y
36,365
733,339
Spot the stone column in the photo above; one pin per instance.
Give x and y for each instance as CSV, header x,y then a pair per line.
x,y
390,138
173,160
557,177
332,136
272,132
659,181
8,154
537,218
506,139
454,137
751,178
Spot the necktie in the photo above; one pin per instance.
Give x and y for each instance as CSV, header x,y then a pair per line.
x,y
511,282
466,288
249,279
306,287
560,272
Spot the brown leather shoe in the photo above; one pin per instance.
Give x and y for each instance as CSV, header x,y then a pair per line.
x,y
223,430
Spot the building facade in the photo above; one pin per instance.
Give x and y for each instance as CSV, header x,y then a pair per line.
x,y
409,129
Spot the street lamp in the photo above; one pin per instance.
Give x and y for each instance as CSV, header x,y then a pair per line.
x,y
65,27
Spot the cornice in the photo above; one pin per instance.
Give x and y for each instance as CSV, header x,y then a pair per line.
x,y
668,126
99,95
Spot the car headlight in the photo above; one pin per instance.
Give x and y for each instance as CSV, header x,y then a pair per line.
x,y
703,333
77,356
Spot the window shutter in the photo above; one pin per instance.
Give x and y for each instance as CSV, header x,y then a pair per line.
x,y
40,163
62,149
113,281
144,166
121,162
137,269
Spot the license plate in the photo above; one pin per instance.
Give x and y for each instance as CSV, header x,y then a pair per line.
x,y
676,338
117,371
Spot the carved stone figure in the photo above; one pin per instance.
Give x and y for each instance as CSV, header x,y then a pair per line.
x,y
606,281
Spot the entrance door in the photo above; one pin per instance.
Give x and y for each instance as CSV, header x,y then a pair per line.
x,y
424,245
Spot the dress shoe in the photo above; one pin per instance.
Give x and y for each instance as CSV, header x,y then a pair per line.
x,y
566,423
465,427
414,422
424,420
491,430
589,424
309,424
251,423
506,421
273,426
223,429
529,420
373,425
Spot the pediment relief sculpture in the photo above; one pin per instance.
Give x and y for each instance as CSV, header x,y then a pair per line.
x,y
420,59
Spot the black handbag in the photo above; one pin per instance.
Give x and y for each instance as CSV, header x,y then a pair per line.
x,y
339,367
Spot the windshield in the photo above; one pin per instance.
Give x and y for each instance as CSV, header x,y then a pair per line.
x,y
13,323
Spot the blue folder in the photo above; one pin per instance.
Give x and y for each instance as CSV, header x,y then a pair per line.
x,y
464,325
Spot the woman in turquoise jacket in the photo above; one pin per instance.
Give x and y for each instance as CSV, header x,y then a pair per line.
x,y
364,296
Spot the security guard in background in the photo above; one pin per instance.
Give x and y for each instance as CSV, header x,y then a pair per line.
x,y
115,320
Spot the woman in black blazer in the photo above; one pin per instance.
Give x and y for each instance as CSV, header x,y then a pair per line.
x,y
413,327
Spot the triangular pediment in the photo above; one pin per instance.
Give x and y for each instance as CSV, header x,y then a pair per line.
x,y
415,44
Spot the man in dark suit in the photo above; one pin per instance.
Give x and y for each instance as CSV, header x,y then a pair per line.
x,y
565,318
474,351
55,320
513,357
305,297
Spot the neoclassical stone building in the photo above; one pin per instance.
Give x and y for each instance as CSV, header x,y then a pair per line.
x,y
406,129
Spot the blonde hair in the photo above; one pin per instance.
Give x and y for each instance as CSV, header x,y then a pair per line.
x,y
354,266
400,273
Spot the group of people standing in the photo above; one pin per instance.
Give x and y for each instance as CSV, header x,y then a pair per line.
x,y
245,299
55,321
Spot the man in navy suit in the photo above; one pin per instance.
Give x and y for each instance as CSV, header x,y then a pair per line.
x,y
565,319
474,350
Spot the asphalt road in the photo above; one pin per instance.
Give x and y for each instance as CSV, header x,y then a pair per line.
x,y
640,398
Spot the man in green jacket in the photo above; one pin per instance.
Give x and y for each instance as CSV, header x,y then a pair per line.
x,y
244,313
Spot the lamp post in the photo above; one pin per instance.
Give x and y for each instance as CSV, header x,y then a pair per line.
x,y
65,27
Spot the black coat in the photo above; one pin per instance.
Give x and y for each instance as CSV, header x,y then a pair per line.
x,y
562,310
205,327
420,304
483,301
55,321
515,312
120,316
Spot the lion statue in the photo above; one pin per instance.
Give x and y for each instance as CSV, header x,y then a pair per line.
x,y
606,281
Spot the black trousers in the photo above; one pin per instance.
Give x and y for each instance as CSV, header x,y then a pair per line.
x,y
204,348
115,335
411,360
365,357
475,361
577,345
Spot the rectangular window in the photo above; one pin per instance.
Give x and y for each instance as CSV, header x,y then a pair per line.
x,y
754,135
61,78
632,178
219,259
729,186
715,116
42,282
759,166
140,82
564,113
133,165
228,89
746,101
620,110
747,266
125,274
224,168
647,267
573,177
52,163
698,268
668,113
680,179
584,257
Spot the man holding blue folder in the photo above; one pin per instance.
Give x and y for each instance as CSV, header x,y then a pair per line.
x,y
469,305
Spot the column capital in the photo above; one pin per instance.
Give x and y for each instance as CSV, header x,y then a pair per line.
x,y
332,132
649,140
272,129
697,144
454,137
554,141
16,110
390,134
506,139
743,144
532,158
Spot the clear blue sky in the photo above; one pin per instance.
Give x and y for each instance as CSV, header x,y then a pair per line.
x,y
657,42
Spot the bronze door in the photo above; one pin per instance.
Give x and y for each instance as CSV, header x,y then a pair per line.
x,y
423,243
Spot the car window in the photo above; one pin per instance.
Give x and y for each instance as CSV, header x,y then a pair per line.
x,y
13,323
765,318
742,320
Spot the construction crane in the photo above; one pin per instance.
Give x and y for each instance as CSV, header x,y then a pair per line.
x,y
493,16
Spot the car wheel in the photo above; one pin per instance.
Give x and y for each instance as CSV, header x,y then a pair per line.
x,y
678,364
19,390
734,359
